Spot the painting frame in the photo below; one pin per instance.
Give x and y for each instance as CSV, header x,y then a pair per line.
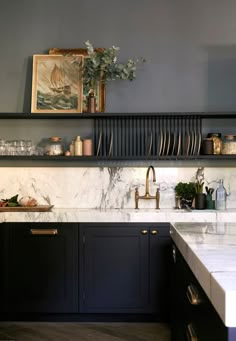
x,y
100,92
57,85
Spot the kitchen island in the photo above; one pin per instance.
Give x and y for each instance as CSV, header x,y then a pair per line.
x,y
205,253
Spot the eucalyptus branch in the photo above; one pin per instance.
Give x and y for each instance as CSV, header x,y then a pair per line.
x,y
101,65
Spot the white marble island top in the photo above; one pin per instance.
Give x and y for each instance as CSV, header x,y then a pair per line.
x,y
210,251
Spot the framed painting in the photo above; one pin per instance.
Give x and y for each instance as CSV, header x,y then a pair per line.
x,y
57,85
99,91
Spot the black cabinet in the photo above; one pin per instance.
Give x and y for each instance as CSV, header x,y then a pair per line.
x,y
41,267
125,268
192,315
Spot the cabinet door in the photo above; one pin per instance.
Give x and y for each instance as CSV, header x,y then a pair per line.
x,y
160,262
115,268
42,273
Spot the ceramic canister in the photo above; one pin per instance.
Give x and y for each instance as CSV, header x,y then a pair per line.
x,y
88,147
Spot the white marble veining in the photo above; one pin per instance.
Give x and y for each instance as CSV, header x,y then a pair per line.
x,y
103,187
112,215
210,251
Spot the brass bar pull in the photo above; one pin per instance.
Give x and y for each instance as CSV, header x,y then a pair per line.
x,y
193,295
190,333
154,232
144,232
42,232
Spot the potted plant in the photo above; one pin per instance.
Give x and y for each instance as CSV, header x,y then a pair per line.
x,y
102,66
200,197
184,194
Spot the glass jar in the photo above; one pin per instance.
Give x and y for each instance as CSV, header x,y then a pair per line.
x,y
217,142
229,145
54,146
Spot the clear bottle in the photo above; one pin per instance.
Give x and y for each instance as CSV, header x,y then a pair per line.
x,y
221,196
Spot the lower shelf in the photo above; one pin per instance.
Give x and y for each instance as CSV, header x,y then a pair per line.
x,y
112,161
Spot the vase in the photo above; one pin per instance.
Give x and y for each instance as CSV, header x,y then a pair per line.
x,y
95,99
210,203
91,102
200,201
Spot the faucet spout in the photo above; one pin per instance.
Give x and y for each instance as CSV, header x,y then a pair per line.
x,y
147,178
147,195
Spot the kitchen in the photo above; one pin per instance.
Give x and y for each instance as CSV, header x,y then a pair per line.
x,y
190,54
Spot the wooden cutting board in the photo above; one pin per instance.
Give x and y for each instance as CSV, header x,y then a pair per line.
x,y
39,208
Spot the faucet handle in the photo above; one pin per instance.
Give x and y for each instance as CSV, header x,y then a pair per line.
x,y
136,197
158,198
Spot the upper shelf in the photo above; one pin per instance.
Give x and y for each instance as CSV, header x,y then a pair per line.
x,y
110,115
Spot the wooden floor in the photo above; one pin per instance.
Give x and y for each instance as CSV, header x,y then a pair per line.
x,y
37,331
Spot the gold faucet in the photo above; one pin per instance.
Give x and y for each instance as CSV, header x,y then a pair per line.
x,y
147,194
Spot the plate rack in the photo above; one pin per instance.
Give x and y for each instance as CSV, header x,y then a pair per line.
x,y
160,137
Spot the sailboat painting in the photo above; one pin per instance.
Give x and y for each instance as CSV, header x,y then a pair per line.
x,y
57,84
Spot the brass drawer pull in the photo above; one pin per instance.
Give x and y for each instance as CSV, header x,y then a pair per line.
x,y
190,333
193,295
41,232
154,232
144,232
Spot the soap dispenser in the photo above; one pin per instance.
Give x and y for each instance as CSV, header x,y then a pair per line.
x,y
221,196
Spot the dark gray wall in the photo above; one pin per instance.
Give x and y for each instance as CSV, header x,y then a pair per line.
x,y
190,47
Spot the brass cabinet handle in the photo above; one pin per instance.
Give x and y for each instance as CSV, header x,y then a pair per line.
x,y
42,232
193,295
190,333
154,232
144,232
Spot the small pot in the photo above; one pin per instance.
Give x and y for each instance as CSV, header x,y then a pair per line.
x,y
200,201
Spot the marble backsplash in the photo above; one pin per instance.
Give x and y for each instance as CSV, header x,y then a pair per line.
x,y
105,187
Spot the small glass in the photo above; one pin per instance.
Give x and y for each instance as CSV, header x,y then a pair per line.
x,y
2,147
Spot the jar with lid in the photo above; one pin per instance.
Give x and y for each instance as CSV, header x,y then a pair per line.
x,y
217,142
54,146
229,145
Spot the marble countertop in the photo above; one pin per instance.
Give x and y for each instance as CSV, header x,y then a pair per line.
x,y
119,215
210,251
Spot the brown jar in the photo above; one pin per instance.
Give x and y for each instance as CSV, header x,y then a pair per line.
x,y
217,142
91,103
207,146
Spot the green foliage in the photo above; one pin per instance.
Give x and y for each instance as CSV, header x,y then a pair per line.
x,y
185,190
13,201
102,66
